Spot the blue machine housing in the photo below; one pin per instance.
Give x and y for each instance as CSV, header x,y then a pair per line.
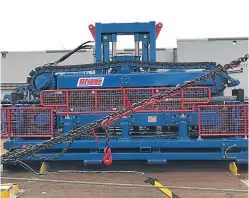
x,y
150,79
152,146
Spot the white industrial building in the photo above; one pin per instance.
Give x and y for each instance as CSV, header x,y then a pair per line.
x,y
15,66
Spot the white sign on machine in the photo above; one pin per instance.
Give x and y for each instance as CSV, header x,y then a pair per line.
x,y
90,82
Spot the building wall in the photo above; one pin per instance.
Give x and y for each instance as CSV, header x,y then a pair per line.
x,y
218,50
17,65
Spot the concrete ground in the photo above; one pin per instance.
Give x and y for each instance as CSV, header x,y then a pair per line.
x,y
193,174
183,174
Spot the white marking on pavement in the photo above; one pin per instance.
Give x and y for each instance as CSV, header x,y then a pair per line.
x,y
245,181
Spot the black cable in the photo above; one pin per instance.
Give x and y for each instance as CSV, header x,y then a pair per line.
x,y
27,167
82,46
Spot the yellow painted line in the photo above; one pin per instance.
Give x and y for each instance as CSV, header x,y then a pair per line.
x,y
166,191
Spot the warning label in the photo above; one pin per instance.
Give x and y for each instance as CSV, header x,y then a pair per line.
x,y
151,118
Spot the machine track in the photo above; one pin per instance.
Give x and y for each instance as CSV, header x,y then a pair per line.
x,y
49,71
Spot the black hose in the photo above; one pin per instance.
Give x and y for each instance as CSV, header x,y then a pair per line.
x,y
82,46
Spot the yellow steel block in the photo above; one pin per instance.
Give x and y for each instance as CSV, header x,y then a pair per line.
x,y
16,189
233,168
43,168
5,194
9,191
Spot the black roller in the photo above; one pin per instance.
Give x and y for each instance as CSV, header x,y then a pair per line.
x,y
239,93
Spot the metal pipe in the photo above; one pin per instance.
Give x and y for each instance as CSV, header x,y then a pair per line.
x,y
114,49
136,48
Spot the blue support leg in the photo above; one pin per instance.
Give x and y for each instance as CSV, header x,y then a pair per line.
x,y
125,128
183,128
145,44
106,51
68,125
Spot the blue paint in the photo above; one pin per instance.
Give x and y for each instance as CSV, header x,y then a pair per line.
x,y
159,157
93,157
68,125
45,81
162,79
125,128
183,128
137,143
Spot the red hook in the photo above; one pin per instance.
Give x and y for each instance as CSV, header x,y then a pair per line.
x,y
108,156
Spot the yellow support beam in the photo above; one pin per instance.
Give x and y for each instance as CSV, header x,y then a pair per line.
x,y
166,191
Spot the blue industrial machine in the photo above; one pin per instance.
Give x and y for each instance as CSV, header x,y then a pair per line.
x,y
197,123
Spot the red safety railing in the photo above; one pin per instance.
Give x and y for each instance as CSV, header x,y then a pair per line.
x,y
111,100
213,120
27,122
223,120
4,123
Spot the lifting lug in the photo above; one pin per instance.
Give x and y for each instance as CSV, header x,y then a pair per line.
x,y
108,157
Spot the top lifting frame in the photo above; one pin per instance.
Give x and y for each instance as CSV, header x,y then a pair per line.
x,y
146,33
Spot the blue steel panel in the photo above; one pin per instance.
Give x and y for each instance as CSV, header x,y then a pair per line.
x,y
137,143
141,119
124,29
148,156
135,80
127,28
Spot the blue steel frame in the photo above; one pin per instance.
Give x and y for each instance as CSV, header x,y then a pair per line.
x,y
152,146
150,150
106,33
153,79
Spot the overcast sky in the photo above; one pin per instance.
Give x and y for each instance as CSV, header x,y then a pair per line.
x,y
56,24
